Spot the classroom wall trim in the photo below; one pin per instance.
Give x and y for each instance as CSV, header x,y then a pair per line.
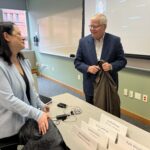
x,y
135,116
64,85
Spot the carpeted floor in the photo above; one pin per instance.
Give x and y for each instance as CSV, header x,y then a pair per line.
x,y
49,88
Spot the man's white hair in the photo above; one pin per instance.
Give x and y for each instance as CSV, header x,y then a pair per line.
x,y
101,17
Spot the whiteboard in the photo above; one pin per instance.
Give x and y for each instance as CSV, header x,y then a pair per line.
x,y
128,19
59,33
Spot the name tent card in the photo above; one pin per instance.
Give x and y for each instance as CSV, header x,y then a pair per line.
x,y
113,146
113,124
84,138
101,139
105,130
130,144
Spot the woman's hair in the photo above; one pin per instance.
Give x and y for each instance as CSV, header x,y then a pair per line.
x,y
5,51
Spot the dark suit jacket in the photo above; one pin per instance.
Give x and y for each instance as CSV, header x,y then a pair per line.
x,y
112,52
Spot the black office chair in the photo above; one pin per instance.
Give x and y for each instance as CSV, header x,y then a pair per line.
x,y
7,144
45,99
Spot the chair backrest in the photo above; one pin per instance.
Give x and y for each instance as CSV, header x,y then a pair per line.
x,y
7,144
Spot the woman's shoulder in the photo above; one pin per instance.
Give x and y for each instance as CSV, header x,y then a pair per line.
x,y
26,62
1,59
3,63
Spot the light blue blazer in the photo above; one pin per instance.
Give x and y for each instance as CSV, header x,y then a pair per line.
x,y
14,105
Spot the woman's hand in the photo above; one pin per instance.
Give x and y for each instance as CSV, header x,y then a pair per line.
x,y
46,108
43,123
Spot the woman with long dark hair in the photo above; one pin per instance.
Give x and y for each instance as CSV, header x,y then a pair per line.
x,y
18,98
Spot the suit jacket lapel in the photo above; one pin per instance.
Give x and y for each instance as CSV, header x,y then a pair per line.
x,y
105,48
92,50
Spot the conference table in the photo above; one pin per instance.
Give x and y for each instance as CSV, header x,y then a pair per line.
x,y
87,111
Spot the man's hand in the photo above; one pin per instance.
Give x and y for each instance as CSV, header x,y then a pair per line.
x,y
93,69
106,66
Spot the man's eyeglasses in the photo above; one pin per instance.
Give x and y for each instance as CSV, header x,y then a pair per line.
x,y
94,26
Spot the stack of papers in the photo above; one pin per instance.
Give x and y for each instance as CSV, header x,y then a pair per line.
x,y
106,134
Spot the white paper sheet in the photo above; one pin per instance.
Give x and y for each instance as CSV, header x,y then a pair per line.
x,y
84,138
105,130
113,146
101,139
130,144
113,124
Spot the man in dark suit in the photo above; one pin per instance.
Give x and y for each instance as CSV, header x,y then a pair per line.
x,y
99,45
